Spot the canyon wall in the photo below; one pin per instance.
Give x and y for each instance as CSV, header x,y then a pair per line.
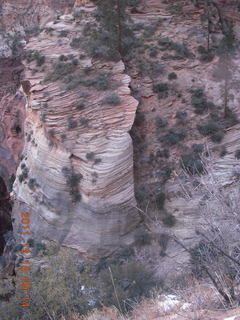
x,y
75,174
78,154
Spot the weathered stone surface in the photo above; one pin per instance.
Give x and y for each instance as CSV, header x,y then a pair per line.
x,y
97,224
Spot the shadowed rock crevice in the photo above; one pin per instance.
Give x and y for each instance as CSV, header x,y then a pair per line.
x,y
5,213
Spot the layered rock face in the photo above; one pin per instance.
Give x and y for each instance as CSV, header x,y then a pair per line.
x,y
76,178
166,110
76,173
31,14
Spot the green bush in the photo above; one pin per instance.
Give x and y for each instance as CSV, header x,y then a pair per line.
x,y
181,51
237,154
172,76
199,101
40,60
72,180
151,69
90,156
210,128
76,43
24,175
142,238
140,118
64,33
169,220
112,99
175,8
162,89
72,124
32,184
63,57
60,69
160,123
100,82
173,136
197,148
76,287
205,56
217,137
192,163
163,153
163,242
83,121
80,106
63,137
181,117
153,52
32,55
160,200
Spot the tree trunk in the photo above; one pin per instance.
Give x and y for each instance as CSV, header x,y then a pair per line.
x,y
119,22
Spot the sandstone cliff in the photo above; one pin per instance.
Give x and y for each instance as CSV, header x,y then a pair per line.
x,y
78,153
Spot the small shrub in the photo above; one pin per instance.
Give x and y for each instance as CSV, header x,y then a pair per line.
x,y
173,136
97,161
165,173
153,52
154,68
83,121
76,43
64,33
192,163
32,183
197,148
63,58
80,106
90,156
163,242
63,137
163,153
217,137
200,102
181,117
160,200
112,99
205,56
20,178
209,128
172,76
60,69
223,151
73,179
40,60
139,119
72,123
100,82
175,8
23,165
75,62
237,154
169,220
132,282
181,51
160,123
161,89
25,172
142,238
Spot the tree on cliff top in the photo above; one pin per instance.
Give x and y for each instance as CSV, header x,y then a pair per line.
x,y
115,37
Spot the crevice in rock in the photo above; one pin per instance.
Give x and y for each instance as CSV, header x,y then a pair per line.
x,y
5,213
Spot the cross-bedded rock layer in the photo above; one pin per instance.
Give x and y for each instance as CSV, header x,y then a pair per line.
x,y
72,134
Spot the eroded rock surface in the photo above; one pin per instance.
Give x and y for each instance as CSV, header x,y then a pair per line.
x,y
76,133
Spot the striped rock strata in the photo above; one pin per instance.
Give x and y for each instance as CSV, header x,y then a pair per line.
x,y
91,142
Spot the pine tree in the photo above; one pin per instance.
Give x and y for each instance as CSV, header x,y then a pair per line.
x,y
114,34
